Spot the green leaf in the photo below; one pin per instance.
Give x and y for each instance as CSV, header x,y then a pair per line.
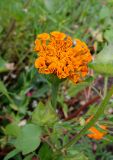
x,y
92,109
3,88
13,130
45,152
50,5
53,79
44,114
82,121
109,138
103,62
3,66
29,157
14,107
73,155
41,91
79,156
104,12
63,105
29,138
4,91
108,35
74,89
11,154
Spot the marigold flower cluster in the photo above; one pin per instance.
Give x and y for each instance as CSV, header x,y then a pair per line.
x,y
57,54
95,133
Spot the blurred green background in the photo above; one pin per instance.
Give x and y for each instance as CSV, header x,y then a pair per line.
x,y
22,20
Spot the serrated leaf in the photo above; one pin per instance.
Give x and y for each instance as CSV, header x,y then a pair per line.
x,y
29,138
45,111
103,62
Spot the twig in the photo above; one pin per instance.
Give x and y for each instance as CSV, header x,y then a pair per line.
x,y
27,4
76,113
99,93
6,117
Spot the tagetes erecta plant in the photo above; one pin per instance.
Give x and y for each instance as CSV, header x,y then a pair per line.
x,y
59,55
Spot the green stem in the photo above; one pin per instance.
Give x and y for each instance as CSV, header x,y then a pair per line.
x,y
54,94
99,93
105,85
50,142
99,112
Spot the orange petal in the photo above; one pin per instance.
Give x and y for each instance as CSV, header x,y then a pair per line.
x,y
40,63
58,35
44,36
37,45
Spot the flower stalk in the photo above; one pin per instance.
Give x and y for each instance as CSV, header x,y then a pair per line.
x,y
54,94
105,85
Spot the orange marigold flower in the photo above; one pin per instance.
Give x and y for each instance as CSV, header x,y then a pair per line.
x,y
57,54
95,133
